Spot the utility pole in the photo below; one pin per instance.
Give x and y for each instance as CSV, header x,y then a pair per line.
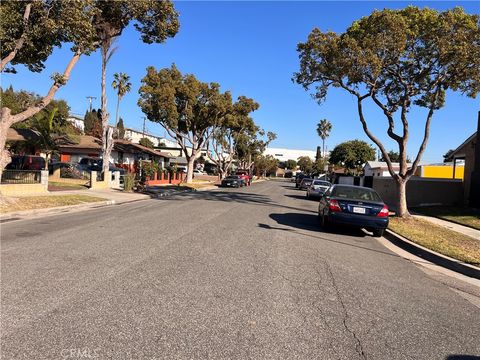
x,y
90,98
144,119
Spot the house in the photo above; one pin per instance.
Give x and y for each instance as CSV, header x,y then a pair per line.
x,y
282,154
468,152
442,170
23,141
124,152
86,146
380,168
128,154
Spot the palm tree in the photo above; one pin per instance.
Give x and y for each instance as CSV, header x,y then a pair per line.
x,y
323,129
123,85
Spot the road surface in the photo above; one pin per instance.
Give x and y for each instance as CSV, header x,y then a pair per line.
x,y
232,274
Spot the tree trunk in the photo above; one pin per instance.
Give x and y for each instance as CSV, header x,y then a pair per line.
x,y
402,209
116,117
191,161
106,139
5,123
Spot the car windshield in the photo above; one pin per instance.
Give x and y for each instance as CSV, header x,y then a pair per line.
x,y
355,193
318,183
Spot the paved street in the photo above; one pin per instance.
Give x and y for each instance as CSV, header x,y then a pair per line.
x,y
233,274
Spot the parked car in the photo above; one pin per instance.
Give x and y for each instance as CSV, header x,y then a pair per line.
x,y
233,181
26,162
317,188
305,183
96,164
247,178
198,172
63,166
353,206
298,179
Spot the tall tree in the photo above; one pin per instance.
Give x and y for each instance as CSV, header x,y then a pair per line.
x,y
236,123
305,164
189,110
155,20
93,123
324,127
396,58
290,164
120,129
251,144
352,155
394,157
29,32
123,85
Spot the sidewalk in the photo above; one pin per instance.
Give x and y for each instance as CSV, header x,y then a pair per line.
x,y
117,196
465,230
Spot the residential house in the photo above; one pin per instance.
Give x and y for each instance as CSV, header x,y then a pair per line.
x,y
466,152
379,168
23,141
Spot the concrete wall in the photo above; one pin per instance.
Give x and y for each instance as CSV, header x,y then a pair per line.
x,y
26,189
421,191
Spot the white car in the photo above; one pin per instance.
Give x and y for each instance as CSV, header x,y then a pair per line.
x,y
317,188
198,172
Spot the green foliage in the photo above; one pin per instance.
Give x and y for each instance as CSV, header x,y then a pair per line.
x,y
149,168
352,155
251,144
147,143
50,24
323,129
122,84
394,156
291,164
265,165
120,129
93,123
305,164
319,165
129,181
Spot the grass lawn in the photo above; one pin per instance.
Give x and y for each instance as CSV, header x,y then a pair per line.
x,y
41,202
458,214
65,186
438,238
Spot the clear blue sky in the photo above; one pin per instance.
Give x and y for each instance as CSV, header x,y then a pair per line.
x,y
250,49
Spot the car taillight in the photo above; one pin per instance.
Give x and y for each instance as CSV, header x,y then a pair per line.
x,y
334,206
383,212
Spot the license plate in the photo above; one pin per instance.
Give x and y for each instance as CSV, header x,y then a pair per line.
x,y
359,210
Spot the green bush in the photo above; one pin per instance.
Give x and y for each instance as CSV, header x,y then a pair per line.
x,y
128,181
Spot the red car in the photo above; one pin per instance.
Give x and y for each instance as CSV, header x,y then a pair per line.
x,y
245,176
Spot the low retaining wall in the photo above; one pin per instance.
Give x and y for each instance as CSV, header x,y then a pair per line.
x,y
26,189
421,191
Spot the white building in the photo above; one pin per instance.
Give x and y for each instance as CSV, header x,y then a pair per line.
x,y
380,168
289,154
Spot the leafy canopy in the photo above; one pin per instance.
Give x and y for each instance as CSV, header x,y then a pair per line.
x,y
352,154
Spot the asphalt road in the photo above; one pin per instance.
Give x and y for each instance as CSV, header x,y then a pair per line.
x,y
233,274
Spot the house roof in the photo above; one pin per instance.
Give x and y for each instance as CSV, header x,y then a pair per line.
x,y
383,165
85,142
22,134
125,145
180,160
471,138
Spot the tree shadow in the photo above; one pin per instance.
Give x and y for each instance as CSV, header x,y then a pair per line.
x,y
299,197
310,222
236,196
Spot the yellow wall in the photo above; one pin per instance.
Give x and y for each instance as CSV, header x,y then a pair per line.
x,y
440,172
22,189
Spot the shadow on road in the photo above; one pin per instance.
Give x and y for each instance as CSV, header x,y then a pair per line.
x,y
310,222
299,197
232,196
462,357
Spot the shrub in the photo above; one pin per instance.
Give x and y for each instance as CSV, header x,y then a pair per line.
x,y
128,181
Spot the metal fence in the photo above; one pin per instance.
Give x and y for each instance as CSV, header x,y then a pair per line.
x,y
21,177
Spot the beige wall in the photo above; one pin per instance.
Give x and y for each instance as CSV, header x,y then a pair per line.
x,y
421,191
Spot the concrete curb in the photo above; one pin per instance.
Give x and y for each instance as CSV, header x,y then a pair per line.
x,y
432,256
54,210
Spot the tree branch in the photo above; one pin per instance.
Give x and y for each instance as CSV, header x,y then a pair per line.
x,y
426,135
19,43
50,95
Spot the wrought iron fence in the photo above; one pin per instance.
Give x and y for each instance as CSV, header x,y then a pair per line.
x,y
21,177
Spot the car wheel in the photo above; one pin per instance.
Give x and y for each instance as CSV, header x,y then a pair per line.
x,y
378,232
308,195
324,222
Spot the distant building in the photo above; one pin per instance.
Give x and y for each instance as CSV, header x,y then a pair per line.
x,y
283,155
380,168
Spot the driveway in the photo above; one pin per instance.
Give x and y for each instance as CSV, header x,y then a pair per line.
x,y
232,274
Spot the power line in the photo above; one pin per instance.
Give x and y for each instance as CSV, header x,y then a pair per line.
x,y
90,98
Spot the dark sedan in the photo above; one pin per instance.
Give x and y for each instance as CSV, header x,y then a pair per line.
x,y
233,181
353,206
